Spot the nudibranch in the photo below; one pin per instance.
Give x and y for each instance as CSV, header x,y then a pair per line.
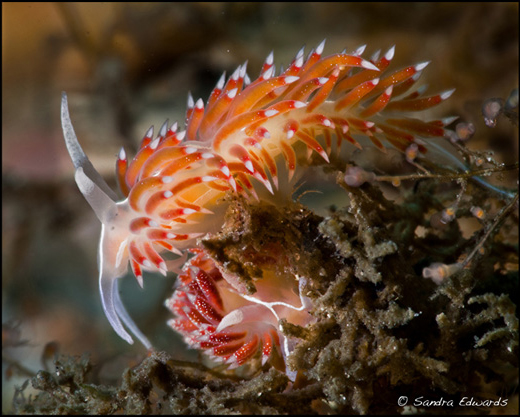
x,y
248,139
213,312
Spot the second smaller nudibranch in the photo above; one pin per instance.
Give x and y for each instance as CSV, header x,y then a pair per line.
x,y
215,313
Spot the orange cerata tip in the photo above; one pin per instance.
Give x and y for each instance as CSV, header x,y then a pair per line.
x,y
246,138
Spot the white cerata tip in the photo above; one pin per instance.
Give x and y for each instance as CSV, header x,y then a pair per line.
x,y
422,65
270,113
447,94
359,51
190,102
243,70
268,73
154,143
181,135
221,81
232,93
236,73
369,65
249,166
322,80
290,79
163,129
270,58
321,46
390,53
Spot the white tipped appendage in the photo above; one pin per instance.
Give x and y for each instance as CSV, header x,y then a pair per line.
x,y
299,62
154,143
243,70
447,94
270,58
236,73
300,53
232,93
369,65
164,129
359,51
322,80
290,79
221,81
181,135
321,46
390,53
190,102
249,165
149,133
421,66
268,73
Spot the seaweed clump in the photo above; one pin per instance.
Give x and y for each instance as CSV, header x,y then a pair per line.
x,y
382,330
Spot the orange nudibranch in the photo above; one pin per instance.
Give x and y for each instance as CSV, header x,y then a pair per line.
x,y
244,139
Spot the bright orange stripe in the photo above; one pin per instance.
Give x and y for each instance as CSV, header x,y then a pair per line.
x,y
121,167
324,92
138,190
194,123
355,95
414,104
162,158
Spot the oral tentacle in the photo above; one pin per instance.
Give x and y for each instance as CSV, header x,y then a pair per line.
x,y
78,156
126,319
111,304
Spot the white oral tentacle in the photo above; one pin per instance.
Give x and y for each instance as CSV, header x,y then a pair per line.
x,y
78,156
109,299
104,207
127,320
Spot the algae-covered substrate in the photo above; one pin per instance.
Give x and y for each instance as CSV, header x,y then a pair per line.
x,y
382,331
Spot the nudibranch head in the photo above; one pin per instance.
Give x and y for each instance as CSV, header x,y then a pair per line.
x,y
249,139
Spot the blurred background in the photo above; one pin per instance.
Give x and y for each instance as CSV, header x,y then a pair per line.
x,y
126,66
